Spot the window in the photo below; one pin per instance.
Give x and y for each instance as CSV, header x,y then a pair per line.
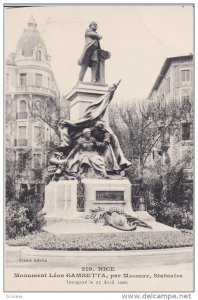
x,y
185,75
38,55
22,106
38,80
185,96
22,139
37,135
7,132
22,161
33,189
48,81
22,114
22,132
7,135
185,131
39,188
24,187
22,79
23,192
168,85
37,160
7,78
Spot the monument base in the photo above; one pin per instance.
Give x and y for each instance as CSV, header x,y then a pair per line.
x,y
89,227
61,199
84,94
108,194
61,205
144,216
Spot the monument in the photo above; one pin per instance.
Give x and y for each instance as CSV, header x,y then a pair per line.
x,y
89,164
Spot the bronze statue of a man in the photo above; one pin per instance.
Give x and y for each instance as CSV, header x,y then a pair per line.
x,y
93,56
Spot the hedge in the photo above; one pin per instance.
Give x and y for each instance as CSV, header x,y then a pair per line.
x,y
110,241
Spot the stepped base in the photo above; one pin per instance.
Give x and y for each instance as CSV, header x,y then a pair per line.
x,y
87,226
144,216
61,206
61,198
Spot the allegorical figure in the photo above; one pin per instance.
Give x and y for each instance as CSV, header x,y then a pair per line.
x,y
84,159
93,56
113,155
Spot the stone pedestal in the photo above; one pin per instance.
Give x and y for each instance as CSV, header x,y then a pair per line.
x,y
84,94
61,198
108,193
63,217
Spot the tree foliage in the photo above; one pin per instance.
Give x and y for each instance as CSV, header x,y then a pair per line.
x,y
142,124
49,111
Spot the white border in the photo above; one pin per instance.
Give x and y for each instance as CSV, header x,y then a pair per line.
x,y
64,296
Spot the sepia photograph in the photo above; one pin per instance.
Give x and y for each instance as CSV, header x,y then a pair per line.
x,y
99,148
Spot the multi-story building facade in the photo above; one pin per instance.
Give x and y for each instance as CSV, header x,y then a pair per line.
x,y
175,83
28,79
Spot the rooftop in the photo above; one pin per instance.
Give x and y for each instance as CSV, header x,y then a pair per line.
x,y
30,39
165,68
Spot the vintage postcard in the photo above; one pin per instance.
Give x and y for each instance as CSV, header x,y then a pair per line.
x,y
99,143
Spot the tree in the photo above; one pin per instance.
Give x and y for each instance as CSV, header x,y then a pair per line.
x,y
174,205
48,110
143,124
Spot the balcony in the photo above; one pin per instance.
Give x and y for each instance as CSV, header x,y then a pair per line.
x,y
21,115
44,91
20,143
188,173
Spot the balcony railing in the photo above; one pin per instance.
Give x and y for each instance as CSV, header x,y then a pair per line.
x,y
21,115
188,173
20,143
36,90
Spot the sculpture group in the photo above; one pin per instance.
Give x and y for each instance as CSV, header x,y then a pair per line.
x,y
89,147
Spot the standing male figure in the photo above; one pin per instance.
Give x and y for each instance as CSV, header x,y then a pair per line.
x,y
93,56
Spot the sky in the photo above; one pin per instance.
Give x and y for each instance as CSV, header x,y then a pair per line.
x,y
139,37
